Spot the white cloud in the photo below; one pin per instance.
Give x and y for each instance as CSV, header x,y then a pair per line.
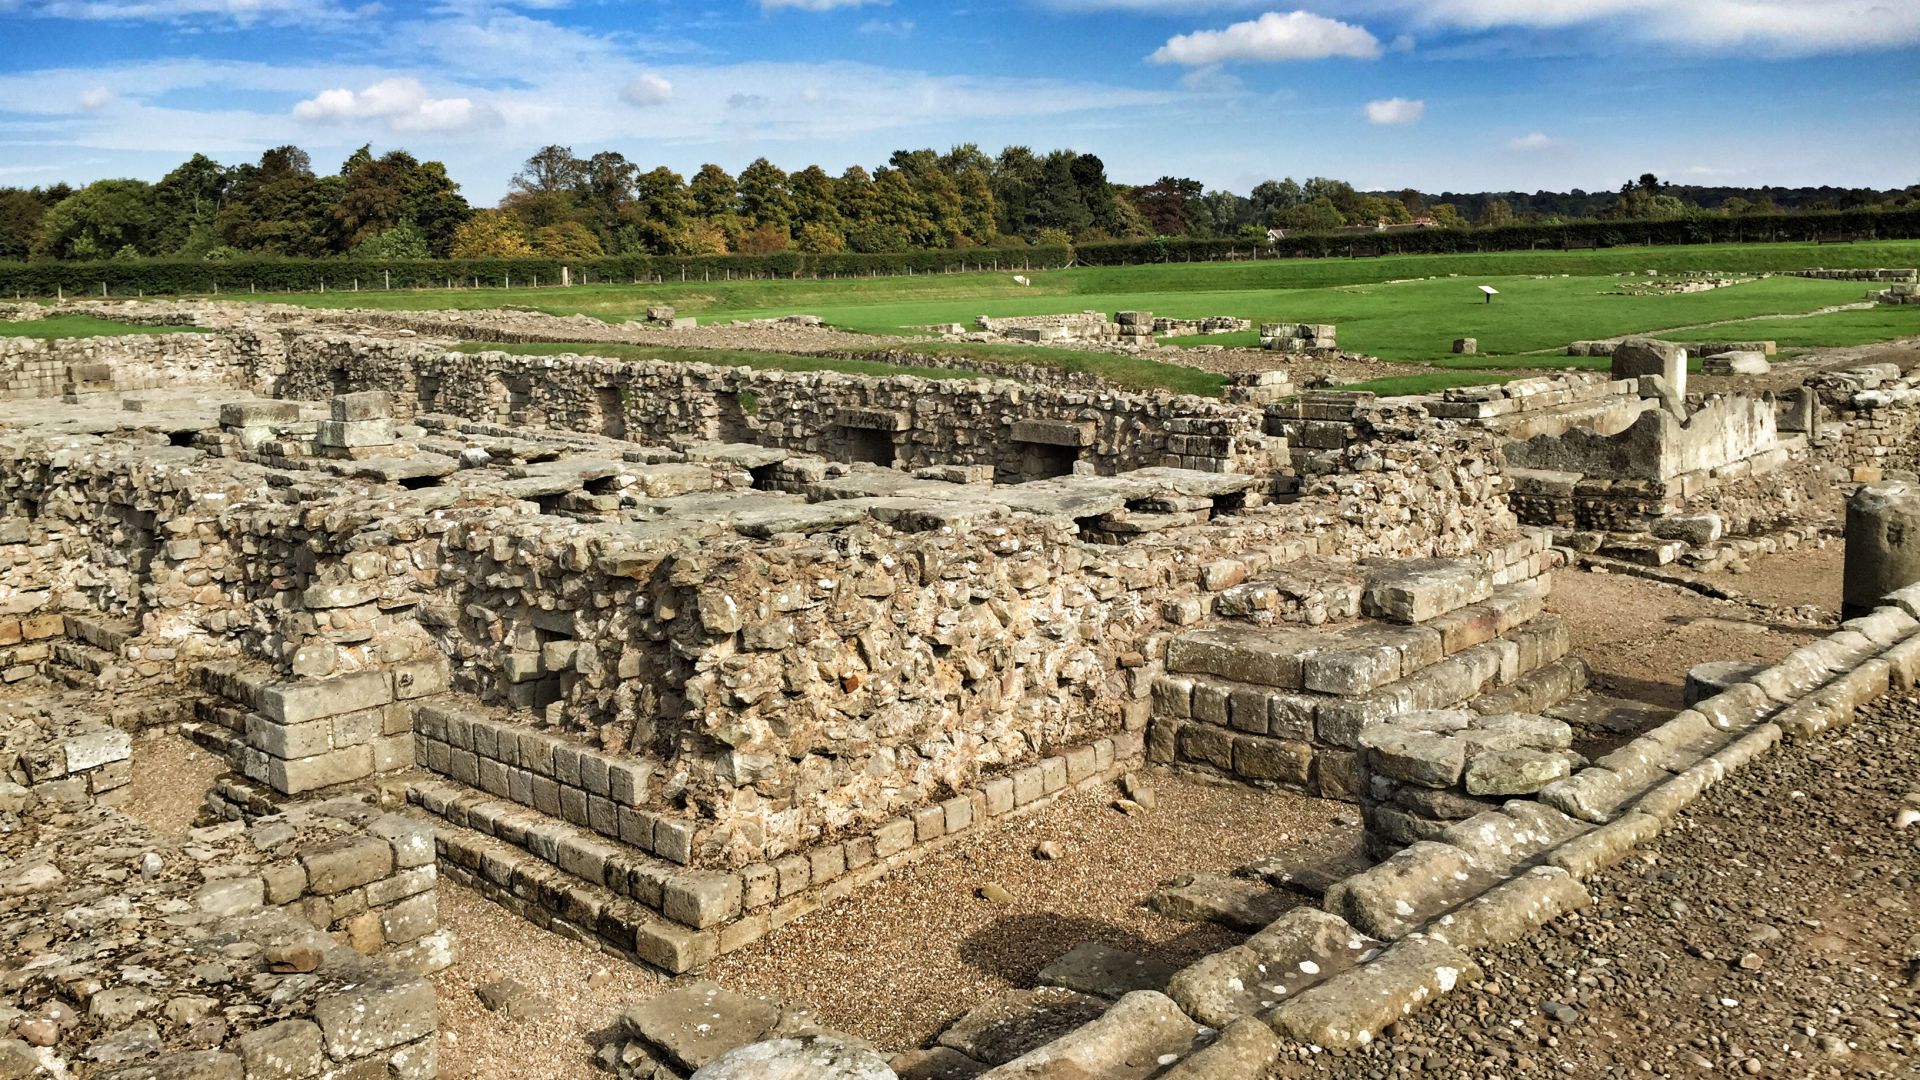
x,y
1537,140
96,98
243,12
888,27
1297,35
403,103
1771,27
647,89
1212,79
1397,110
815,5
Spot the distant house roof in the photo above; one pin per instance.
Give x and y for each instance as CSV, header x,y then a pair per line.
x,y
1383,225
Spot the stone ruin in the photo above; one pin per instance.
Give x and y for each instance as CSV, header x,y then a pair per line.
x,y
1128,328
663,656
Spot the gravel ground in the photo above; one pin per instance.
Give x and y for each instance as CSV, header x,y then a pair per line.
x,y
1668,629
170,776
902,958
1775,931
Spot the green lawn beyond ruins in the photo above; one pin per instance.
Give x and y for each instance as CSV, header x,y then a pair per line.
x,y
1405,310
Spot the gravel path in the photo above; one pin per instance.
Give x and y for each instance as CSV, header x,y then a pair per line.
x,y
1775,931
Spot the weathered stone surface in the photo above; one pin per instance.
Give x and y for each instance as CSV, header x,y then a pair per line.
x,y
1242,905
696,1023
1104,971
817,1057
1408,888
1514,772
937,1063
1244,1050
1351,1009
1015,1022
1299,949
1137,1038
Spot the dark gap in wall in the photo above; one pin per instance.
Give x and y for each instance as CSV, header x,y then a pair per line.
x,y
182,438
613,411
733,423
871,445
1036,461
763,476
415,483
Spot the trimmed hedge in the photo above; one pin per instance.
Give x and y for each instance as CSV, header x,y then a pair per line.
x,y
159,277
1749,229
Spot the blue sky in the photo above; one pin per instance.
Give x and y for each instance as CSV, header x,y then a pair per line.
x,y
1436,94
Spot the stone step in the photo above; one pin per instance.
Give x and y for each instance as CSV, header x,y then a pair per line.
x,y
1349,660
696,899
549,772
1280,731
79,656
1429,878
558,900
1538,691
101,631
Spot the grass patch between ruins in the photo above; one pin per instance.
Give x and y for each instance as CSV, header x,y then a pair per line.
x,y
1835,329
716,357
82,326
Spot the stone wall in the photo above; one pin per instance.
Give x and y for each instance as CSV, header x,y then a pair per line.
x,y
1658,446
903,422
34,368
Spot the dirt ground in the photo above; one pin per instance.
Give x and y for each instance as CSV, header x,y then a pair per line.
x,y
898,961
169,777
1641,636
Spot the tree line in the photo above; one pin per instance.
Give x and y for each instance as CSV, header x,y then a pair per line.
x,y
563,206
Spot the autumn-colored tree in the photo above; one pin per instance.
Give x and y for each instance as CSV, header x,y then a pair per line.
x,y
490,234
567,240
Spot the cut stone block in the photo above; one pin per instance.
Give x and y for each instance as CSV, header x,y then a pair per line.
x,y
1416,590
1239,904
1300,949
1348,1011
1015,1022
1134,1040
1104,971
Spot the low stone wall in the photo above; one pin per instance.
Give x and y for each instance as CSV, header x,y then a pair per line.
x,y
569,874
1880,274
367,877
57,755
34,368
902,422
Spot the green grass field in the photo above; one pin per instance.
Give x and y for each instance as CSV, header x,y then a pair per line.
x,y
1404,309
77,326
719,357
